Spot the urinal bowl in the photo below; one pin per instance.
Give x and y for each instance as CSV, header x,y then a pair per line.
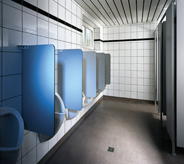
x,y
70,114
59,117
11,135
86,100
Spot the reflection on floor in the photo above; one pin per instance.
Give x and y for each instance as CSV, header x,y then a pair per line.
x,y
132,129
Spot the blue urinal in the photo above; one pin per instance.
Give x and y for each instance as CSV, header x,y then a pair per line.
x,y
11,135
59,117
86,100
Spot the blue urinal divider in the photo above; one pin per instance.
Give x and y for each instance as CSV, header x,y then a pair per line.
x,y
38,88
100,71
70,78
89,73
107,68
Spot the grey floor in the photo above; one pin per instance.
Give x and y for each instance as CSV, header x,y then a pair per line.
x,y
133,130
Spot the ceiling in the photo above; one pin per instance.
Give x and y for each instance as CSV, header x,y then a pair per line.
x,y
118,12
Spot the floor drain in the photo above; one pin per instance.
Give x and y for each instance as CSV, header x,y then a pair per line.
x,y
139,103
111,149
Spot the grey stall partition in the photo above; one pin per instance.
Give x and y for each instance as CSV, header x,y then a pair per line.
x,y
70,78
164,68
170,74
38,88
107,68
89,73
180,75
160,75
100,71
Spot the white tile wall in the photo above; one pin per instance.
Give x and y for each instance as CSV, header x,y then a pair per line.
x,y
20,25
132,62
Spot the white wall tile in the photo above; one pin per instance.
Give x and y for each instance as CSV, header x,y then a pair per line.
x,y
42,40
42,149
29,23
12,18
122,93
140,81
127,94
140,95
29,142
67,125
43,27
116,86
44,5
74,20
74,121
140,67
146,89
134,95
140,88
11,39
62,13
53,7
79,12
134,88
62,2
122,29
68,16
146,96
140,60
30,158
68,5
53,141
116,93
54,42
52,31
127,29
29,39
133,81
74,37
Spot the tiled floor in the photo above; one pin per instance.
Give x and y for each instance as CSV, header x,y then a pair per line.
x,y
134,130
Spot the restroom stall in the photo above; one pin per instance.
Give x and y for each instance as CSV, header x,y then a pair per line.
x,y
160,69
171,76
180,74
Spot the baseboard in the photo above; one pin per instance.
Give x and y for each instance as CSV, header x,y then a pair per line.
x,y
123,98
